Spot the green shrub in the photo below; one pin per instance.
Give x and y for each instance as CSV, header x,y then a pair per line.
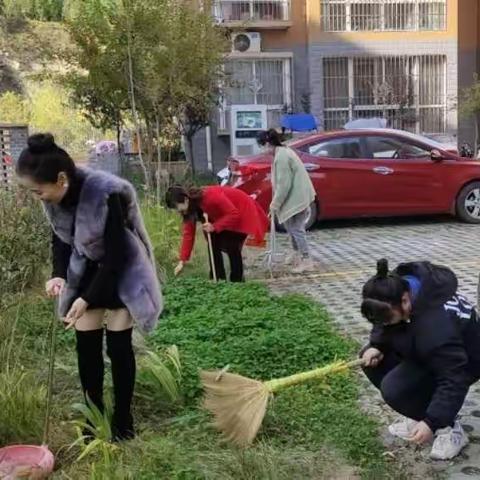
x,y
163,226
24,241
50,10
22,395
159,376
48,108
32,317
22,400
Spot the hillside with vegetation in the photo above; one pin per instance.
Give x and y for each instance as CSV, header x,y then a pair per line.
x,y
32,66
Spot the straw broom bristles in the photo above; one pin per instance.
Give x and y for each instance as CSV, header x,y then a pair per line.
x,y
239,404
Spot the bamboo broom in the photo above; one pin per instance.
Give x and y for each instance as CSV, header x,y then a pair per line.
x,y
210,252
239,404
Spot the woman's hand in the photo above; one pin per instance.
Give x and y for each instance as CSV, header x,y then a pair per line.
x,y
54,287
179,268
422,433
271,211
208,227
372,357
78,308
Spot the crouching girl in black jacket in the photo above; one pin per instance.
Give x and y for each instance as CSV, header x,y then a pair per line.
x,y
424,351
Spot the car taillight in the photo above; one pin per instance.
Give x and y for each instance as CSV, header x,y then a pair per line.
x,y
240,170
245,171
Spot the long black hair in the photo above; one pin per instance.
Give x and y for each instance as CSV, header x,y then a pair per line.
x,y
178,194
43,160
270,137
381,293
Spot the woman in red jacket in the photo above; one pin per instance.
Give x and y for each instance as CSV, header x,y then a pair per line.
x,y
232,216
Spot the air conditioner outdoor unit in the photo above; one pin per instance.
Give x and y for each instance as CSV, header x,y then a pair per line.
x,y
246,42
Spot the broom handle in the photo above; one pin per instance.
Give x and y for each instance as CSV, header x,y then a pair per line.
x,y
51,367
281,383
210,251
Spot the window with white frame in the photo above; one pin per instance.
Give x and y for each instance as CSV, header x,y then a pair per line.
x,y
383,15
258,81
251,10
409,91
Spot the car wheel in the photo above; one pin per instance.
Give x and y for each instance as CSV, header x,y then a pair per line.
x,y
468,203
311,220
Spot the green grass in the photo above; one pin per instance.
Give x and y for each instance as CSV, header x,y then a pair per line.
x,y
265,337
310,432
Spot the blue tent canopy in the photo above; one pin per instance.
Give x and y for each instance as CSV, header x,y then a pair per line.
x,y
299,122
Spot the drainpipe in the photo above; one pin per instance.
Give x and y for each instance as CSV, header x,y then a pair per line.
x,y
208,139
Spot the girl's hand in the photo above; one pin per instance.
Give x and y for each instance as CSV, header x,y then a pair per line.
x,y
372,357
179,268
208,228
421,434
78,308
54,287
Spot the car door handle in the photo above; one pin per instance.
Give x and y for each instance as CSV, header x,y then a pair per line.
x,y
383,170
310,167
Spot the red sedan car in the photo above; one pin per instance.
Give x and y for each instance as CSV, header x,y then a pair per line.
x,y
373,173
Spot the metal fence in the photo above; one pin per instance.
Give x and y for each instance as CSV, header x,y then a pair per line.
x,y
252,10
256,82
409,91
6,160
383,15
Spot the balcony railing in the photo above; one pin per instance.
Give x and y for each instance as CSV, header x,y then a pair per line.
x,y
258,13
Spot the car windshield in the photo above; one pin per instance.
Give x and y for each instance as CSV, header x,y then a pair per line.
x,y
440,138
424,139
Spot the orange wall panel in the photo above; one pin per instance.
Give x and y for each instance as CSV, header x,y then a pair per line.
x,y
468,24
295,35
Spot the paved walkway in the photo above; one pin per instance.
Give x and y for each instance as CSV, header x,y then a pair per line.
x,y
348,252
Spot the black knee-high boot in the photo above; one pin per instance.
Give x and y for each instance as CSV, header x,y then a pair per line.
x,y
120,351
90,364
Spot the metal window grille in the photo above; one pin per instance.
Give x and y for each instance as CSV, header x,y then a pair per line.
x,y
409,91
6,162
252,10
383,15
256,82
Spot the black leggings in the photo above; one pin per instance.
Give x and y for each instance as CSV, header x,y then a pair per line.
x,y
231,243
405,386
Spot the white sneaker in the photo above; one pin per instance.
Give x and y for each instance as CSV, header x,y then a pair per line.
x,y
403,428
304,265
449,442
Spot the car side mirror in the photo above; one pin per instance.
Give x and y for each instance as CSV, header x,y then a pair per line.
x,y
436,155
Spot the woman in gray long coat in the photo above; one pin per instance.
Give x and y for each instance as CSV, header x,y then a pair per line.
x,y
103,267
